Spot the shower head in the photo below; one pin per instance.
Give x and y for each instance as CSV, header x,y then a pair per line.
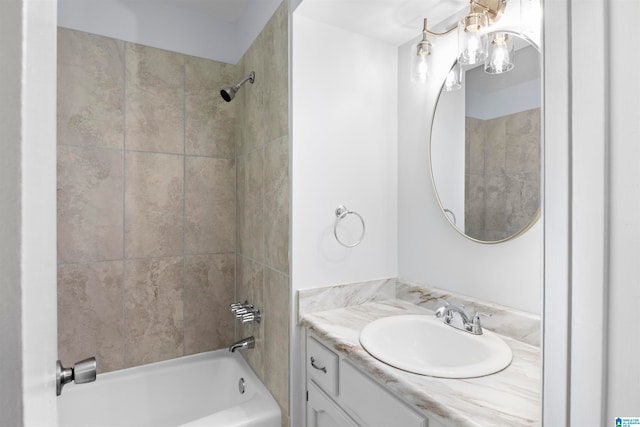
x,y
229,92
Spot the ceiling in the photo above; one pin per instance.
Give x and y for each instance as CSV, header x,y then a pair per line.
x,y
393,21
224,10
221,30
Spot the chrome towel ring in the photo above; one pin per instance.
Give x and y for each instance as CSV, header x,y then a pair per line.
x,y
341,213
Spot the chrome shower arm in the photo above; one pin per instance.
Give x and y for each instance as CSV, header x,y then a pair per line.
x,y
251,77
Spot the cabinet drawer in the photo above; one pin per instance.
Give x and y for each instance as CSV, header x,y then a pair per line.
x,y
322,366
371,403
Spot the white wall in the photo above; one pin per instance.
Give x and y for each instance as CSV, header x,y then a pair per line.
x,y
623,343
429,249
28,217
591,347
10,307
38,262
344,115
164,26
557,214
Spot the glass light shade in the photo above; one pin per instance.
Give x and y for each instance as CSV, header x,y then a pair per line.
x,y
454,79
500,55
472,39
421,61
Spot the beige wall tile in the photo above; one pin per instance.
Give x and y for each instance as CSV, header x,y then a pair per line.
x,y
523,147
276,77
249,287
155,120
153,292
495,202
523,200
90,314
154,99
263,200
250,205
90,204
251,125
210,194
474,205
276,335
204,74
209,120
276,204
495,146
210,125
149,67
209,290
509,197
90,90
153,205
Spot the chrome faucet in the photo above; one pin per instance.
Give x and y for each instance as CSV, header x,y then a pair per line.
x,y
246,312
447,311
243,344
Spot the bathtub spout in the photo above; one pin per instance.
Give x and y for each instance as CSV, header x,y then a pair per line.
x,y
243,344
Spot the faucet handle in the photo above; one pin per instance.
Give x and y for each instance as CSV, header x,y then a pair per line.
x,y
238,306
442,310
475,327
252,316
239,310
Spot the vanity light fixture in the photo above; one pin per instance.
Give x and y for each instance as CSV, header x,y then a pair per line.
x,y
472,29
472,37
500,55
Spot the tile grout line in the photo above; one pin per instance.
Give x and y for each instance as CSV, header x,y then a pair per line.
x,y
143,258
168,153
184,205
124,187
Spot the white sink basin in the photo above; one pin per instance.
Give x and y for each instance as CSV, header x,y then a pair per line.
x,y
424,345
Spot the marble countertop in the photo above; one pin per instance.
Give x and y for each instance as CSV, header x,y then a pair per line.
x,y
508,398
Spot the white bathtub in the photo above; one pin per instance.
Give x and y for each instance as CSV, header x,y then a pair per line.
x,y
194,391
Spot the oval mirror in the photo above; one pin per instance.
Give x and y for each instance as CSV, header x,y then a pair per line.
x,y
485,147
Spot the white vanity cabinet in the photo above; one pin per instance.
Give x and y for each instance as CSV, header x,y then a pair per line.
x,y
340,395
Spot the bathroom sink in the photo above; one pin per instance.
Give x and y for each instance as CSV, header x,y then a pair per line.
x,y
424,345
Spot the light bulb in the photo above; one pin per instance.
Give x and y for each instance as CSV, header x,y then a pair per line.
x,y
473,45
500,57
454,79
420,66
423,69
472,39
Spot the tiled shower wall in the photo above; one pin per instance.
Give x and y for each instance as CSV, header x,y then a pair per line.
x,y
262,147
166,195
502,180
146,202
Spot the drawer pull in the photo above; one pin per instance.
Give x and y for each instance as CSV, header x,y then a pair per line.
x,y
313,363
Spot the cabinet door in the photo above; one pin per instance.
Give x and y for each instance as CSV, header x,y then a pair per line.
x,y
322,412
372,404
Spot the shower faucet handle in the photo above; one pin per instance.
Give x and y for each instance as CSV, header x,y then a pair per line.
x,y
246,312
252,316
239,307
